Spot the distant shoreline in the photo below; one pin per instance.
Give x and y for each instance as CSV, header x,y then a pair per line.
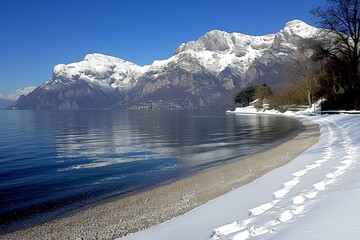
x,y
121,216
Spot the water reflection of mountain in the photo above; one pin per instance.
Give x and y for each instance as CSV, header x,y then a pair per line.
x,y
89,139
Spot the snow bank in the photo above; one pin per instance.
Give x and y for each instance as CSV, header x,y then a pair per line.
x,y
315,196
253,110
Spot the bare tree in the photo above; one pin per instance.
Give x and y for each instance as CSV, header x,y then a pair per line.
x,y
342,18
262,93
303,72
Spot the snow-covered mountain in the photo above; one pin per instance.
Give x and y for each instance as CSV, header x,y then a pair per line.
x,y
7,100
202,73
98,69
19,92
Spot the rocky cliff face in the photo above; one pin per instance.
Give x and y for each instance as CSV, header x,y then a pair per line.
x,y
203,73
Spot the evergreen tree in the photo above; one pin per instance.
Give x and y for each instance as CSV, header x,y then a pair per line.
x,y
246,96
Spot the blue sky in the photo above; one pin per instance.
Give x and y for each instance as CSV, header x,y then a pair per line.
x,y
36,35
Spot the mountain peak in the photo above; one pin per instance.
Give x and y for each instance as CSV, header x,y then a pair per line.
x,y
19,92
295,22
216,34
299,27
102,58
214,40
100,69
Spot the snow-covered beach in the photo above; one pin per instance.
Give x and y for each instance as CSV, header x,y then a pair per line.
x,y
315,196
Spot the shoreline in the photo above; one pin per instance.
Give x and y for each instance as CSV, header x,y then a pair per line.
x,y
121,216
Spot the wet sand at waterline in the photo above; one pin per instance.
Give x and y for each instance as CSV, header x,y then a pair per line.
x,y
121,216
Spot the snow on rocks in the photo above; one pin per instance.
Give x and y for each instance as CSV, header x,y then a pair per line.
x,y
100,69
217,50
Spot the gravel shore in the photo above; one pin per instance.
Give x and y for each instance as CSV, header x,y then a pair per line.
x,y
121,216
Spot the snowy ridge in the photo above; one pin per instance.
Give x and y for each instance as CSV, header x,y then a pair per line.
x,y
217,50
19,92
101,69
299,28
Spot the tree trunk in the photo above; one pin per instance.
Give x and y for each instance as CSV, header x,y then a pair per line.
x,y
309,98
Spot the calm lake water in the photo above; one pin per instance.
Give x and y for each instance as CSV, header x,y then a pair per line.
x,y
55,161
